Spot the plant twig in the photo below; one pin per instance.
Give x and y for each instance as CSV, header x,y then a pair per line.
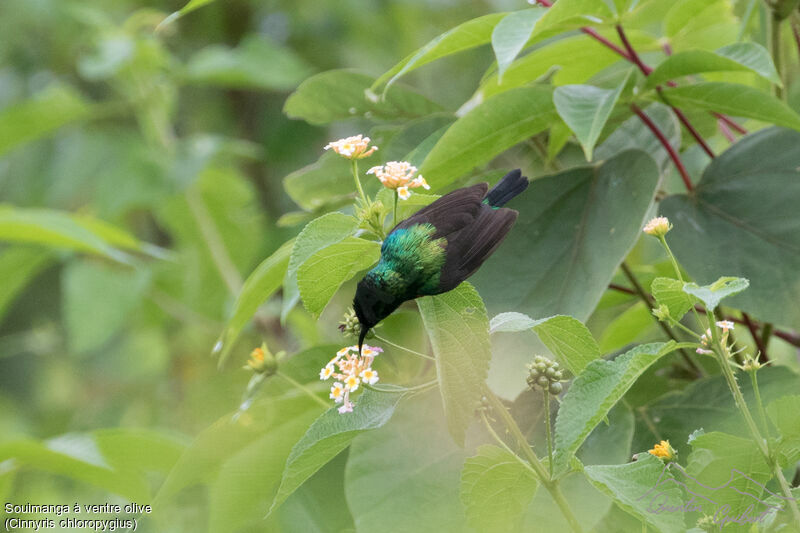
x,y
755,334
667,146
409,350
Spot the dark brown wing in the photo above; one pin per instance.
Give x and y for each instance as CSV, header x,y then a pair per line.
x,y
471,245
450,213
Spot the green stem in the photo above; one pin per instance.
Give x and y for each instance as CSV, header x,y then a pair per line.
x,y
677,269
363,196
394,209
787,491
409,350
304,389
761,412
551,485
421,387
503,444
774,35
546,395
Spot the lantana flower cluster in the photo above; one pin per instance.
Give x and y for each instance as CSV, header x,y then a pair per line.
x,y
350,370
399,175
355,147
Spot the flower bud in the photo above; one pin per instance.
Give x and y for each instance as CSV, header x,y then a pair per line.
x,y
262,361
663,450
658,226
661,313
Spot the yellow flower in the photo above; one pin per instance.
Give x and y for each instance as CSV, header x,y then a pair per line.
x,y
369,376
399,175
663,450
658,226
262,361
337,392
356,147
351,382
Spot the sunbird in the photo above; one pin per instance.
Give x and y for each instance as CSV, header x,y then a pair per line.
x,y
437,248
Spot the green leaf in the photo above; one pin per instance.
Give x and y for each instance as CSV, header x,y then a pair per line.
x,y
566,337
324,272
330,434
594,392
712,295
54,229
743,218
729,471
97,301
185,10
586,109
496,488
633,134
40,116
733,99
458,327
627,327
748,57
256,63
316,235
573,230
257,288
342,94
18,266
487,130
639,488
670,292
327,181
569,14
423,493
468,35
785,415
510,36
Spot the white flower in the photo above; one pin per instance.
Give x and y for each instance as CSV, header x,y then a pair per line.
x,y
658,226
337,392
351,383
369,376
704,351
403,193
326,372
419,181
346,408
370,351
725,325
356,147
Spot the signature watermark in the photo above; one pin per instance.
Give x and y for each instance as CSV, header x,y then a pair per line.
x,y
756,503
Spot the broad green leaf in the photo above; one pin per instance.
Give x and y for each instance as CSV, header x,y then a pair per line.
x,y
670,292
139,450
639,488
318,234
743,218
733,99
192,5
330,434
255,64
458,327
586,109
327,181
728,471
496,488
40,116
712,295
566,337
18,266
257,288
708,404
54,229
569,14
627,327
342,94
785,415
321,275
487,130
571,60
700,24
573,230
748,57
557,138
468,35
510,36
594,392
77,456
416,453
633,134
97,301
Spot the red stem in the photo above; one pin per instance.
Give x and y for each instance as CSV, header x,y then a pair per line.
x,y
688,126
754,333
646,70
667,146
730,122
591,32
726,131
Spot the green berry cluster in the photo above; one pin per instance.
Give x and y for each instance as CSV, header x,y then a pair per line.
x,y
351,327
544,374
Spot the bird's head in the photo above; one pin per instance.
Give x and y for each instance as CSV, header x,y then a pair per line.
x,y
371,304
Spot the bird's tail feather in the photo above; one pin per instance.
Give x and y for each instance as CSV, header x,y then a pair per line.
x,y
507,188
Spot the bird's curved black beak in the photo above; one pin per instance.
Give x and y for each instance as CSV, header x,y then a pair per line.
x,y
361,337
